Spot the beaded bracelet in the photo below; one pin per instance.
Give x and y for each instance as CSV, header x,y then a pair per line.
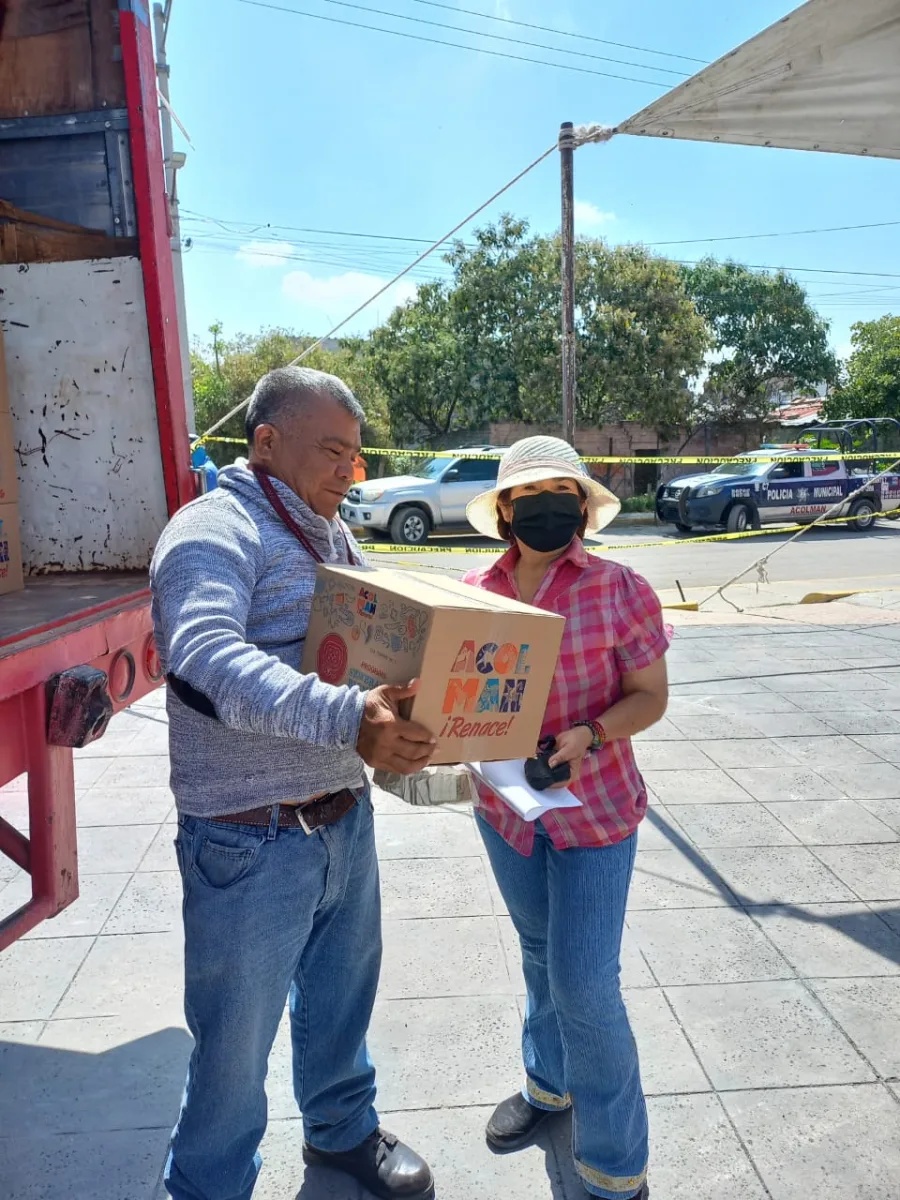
x,y
597,730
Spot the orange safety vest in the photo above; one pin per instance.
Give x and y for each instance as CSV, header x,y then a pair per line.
x,y
359,470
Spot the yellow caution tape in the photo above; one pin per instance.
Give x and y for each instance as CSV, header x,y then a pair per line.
x,y
619,460
391,548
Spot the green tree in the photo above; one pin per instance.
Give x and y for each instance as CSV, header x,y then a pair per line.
x,y
871,384
766,335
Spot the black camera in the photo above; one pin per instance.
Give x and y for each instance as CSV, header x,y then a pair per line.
x,y
538,771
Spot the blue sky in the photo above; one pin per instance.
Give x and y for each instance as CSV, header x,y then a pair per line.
x,y
300,125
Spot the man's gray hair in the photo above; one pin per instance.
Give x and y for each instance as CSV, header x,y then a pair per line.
x,y
284,392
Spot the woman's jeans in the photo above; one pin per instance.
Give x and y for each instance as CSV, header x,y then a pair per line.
x,y
270,913
568,907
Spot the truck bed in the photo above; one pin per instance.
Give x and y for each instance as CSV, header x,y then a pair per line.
x,y
50,603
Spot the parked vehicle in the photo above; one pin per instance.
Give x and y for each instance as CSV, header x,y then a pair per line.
x,y
96,406
432,499
735,497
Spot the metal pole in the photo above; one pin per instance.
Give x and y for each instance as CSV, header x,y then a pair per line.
x,y
160,25
567,239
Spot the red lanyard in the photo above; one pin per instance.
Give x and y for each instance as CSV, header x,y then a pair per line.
x,y
275,500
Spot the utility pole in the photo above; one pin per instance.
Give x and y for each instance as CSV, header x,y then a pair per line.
x,y
172,162
567,173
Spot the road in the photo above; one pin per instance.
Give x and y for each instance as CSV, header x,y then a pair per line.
x,y
843,557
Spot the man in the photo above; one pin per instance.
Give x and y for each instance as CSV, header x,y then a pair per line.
x,y
275,829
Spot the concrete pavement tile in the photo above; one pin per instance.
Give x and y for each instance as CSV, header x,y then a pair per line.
x,y
731,825
863,721
886,811
668,1064
92,1075
827,1142
719,687
148,770
151,903
826,702
437,1053
102,805
452,1142
776,875
817,752
34,975
663,731
886,702
843,680
284,1175
671,756
795,724
658,830
764,1035
95,1166
97,898
89,771
161,854
889,912
885,745
748,752
880,781
119,736
831,939
113,849
433,887
700,729
449,835
873,872
695,787
695,1153
833,822
732,705
707,945
786,783
868,1010
670,879
444,957
140,976
20,1031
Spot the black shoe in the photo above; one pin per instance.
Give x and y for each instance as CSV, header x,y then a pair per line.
x,y
515,1121
382,1164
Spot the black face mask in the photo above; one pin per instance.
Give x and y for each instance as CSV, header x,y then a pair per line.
x,y
547,521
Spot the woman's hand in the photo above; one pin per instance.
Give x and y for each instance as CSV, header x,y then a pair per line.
x,y
571,747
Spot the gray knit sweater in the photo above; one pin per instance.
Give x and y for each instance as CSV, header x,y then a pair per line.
x,y
232,589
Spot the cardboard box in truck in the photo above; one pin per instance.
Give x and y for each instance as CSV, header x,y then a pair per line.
x,y
485,663
10,550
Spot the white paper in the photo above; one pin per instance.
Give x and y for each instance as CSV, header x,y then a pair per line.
x,y
508,780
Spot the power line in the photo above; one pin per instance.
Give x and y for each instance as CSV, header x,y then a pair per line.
x,y
586,37
499,37
740,237
417,37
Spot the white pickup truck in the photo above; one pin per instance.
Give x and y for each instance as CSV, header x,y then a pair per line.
x,y
409,507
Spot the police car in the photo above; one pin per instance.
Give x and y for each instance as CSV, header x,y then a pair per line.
x,y
737,497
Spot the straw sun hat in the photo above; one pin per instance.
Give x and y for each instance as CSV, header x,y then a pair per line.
x,y
532,460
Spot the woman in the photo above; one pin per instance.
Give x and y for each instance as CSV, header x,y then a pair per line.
x,y
565,878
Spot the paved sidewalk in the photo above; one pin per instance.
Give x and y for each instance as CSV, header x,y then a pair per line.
x,y
761,966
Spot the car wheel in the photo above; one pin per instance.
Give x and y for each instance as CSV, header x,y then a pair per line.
x,y
738,519
410,527
864,515
684,528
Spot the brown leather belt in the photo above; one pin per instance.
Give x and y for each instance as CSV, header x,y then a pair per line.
x,y
324,811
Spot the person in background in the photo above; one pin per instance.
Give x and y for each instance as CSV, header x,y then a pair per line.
x,y
276,841
204,467
359,469
565,878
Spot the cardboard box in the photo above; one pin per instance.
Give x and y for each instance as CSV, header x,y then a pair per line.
x,y
485,663
10,550
9,479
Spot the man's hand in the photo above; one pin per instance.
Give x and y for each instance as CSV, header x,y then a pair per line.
x,y
388,742
571,747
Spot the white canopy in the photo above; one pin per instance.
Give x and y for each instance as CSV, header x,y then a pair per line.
x,y
825,77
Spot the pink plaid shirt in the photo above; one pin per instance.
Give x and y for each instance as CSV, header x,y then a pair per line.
x,y
613,625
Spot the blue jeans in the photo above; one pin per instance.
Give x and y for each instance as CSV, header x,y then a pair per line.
x,y
568,907
271,914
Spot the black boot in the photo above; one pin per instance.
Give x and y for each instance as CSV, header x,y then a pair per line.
x,y
382,1164
515,1122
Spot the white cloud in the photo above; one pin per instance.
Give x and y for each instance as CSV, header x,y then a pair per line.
x,y
338,295
266,254
589,216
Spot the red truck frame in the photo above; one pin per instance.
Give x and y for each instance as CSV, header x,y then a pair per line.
x,y
39,667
